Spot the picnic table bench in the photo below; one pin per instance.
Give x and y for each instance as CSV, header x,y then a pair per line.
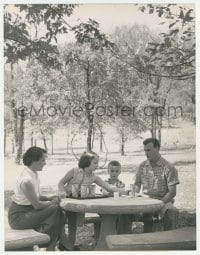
x,y
23,239
28,238
177,239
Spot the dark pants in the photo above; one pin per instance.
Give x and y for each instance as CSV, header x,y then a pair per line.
x,y
49,220
169,220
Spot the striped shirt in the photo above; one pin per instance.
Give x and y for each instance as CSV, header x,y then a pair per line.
x,y
156,179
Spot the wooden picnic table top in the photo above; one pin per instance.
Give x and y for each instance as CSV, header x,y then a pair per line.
x,y
110,205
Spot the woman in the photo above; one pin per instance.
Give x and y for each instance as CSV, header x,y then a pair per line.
x,y
29,209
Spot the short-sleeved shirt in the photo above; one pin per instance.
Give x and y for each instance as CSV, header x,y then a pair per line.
x,y
27,176
118,183
157,179
79,178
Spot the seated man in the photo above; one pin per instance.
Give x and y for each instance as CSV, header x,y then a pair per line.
x,y
158,179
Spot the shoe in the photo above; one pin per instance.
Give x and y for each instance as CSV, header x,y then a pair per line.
x,y
61,247
76,248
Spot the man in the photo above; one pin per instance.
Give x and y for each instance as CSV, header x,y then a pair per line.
x,y
158,179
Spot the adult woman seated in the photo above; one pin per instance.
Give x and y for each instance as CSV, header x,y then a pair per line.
x,y
29,209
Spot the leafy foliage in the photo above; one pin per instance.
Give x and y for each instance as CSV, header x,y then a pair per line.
x,y
175,52
32,30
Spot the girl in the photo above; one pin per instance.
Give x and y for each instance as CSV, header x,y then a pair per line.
x,y
84,174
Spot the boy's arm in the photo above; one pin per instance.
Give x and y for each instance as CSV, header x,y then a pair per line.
x,y
108,187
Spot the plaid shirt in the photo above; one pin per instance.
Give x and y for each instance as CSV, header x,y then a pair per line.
x,y
158,178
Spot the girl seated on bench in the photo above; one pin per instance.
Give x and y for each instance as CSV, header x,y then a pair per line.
x,y
84,174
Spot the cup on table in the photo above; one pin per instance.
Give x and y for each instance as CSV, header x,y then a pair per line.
x,y
132,190
116,195
88,190
75,190
92,190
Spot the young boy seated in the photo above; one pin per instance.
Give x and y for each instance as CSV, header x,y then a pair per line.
x,y
124,222
114,170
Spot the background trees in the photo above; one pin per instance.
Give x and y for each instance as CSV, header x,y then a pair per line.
x,y
133,67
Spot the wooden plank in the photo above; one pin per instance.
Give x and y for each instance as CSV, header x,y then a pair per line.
x,y
177,239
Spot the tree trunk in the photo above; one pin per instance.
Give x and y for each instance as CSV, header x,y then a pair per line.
x,y
13,146
31,139
101,142
89,114
44,140
153,127
35,142
93,137
89,136
52,149
122,144
159,128
20,137
194,105
15,123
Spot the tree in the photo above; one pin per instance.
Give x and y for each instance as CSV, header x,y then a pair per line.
x,y
175,52
32,29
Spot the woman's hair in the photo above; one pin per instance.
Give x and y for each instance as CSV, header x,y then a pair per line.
x,y
33,154
86,159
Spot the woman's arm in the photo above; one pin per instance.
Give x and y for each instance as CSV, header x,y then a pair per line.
x,y
108,187
49,198
30,194
61,185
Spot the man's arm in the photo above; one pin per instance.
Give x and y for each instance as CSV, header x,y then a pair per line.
x,y
170,195
138,180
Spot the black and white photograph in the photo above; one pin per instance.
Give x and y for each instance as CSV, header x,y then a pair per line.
x,y
99,126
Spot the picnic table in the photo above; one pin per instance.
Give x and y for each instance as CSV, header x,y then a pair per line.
x,y
109,208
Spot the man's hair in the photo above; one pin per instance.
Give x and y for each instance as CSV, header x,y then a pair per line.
x,y
86,159
33,154
114,163
152,140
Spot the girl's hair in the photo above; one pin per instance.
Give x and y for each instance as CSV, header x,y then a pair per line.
x,y
33,154
86,159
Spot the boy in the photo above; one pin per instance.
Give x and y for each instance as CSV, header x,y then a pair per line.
x,y
114,170
124,223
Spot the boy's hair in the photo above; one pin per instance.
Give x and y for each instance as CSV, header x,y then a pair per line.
x,y
33,154
114,163
152,140
86,159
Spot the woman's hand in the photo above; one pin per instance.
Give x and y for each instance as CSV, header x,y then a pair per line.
x,y
62,194
55,198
